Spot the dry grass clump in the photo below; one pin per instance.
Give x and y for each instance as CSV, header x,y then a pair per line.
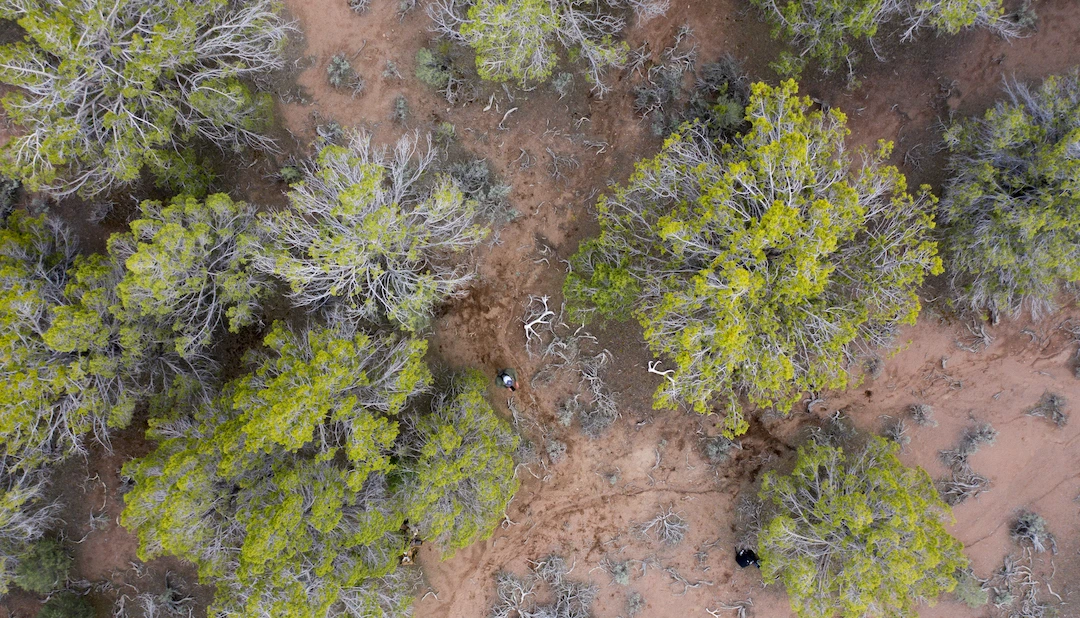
x,y
922,414
964,483
1051,407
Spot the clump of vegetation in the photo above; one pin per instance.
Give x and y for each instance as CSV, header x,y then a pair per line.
x,y
1012,234
556,450
290,174
377,234
1029,527
67,605
340,74
44,567
519,40
400,112
826,31
24,517
922,414
668,527
130,86
963,482
517,596
618,570
852,532
562,83
359,5
1051,406
317,456
970,590
433,68
763,288
717,449
634,603
895,431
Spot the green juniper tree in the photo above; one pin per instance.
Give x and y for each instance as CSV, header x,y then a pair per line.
x,y
1011,207
380,235
109,88
856,533
25,516
757,266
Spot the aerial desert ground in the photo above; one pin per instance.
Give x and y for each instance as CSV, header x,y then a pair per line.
x,y
590,500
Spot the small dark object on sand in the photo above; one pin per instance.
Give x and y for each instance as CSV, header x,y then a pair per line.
x,y
746,557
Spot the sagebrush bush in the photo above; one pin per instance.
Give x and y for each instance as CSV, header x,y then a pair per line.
x,y
1011,207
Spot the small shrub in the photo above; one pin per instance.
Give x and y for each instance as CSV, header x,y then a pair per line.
x,y
634,603
717,449
9,191
67,605
619,571
895,431
922,414
359,5
341,75
1051,407
556,450
432,68
290,174
562,83
445,134
970,591
400,112
43,568
1031,528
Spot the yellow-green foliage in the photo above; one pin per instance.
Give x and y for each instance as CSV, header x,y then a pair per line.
x,y
856,534
512,39
515,40
187,268
754,265
291,490
461,481
108,88
381,236
1012,207
826,30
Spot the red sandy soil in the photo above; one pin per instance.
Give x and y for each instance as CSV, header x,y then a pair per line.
x,y
568,507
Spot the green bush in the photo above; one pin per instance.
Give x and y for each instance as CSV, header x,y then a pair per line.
x,y
1011,208
433,68
856,534
67,605
756,265
108,88
827,30
44,567
518,40
313,461
970,591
